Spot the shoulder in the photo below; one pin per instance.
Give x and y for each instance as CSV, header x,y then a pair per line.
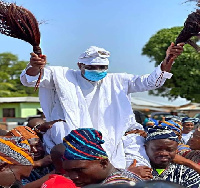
x,y
120,76
184,170
122,176
58,69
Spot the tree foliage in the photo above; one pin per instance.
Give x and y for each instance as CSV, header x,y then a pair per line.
x,y
10,70
185,81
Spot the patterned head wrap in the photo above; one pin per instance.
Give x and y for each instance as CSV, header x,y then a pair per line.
x,y
182,148
161,132
23,132
176,119
173,126
186,120
84,144
15,151
94,56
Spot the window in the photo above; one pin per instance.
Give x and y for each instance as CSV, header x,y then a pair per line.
x,y
8,112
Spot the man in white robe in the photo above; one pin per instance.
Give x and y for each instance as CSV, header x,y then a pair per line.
x,y
91,98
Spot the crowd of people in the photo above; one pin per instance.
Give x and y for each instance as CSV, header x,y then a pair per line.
x,y
81,161
90,137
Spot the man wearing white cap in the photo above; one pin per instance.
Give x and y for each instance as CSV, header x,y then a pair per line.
x,y
91,98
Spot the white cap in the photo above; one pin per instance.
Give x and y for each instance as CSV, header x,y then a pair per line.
x,y
94,56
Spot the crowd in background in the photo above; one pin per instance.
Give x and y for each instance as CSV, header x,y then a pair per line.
x,y
172,147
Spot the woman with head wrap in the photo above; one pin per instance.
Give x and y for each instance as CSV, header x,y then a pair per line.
x,y
27,133
90,97
86,162
42,163
161,146
16,161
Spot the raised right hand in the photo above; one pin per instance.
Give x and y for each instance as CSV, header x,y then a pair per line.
x,y
36,61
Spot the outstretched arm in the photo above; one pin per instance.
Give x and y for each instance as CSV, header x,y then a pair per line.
x,y
158,76
187,162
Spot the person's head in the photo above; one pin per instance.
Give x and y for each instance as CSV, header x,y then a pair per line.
x,y
35,121
161,145
194,141
93,63
188,125
85,161
37,148
27,133
16,161
57,153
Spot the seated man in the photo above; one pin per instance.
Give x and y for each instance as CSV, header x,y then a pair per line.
x,y
182,148
86,162
15,161
161,145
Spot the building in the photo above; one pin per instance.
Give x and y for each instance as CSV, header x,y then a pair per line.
x,y
191,109
17,109
148,106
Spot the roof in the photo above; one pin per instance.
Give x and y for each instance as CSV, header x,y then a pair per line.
x,y
153,103
147,108
18,99
190,107
158,101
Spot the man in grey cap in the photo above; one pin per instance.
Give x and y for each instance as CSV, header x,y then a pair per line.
x,y
92,98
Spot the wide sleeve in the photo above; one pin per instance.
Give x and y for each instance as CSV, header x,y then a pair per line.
x,y
46,79
190,177
146,82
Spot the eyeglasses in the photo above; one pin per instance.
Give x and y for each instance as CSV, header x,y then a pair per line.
x,y
96,67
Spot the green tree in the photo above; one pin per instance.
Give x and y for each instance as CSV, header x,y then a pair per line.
x,y
10,70
185,81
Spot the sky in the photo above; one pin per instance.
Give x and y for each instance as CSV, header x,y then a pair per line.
x,y
122,27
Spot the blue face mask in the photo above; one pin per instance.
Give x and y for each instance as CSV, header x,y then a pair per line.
x,y
95,75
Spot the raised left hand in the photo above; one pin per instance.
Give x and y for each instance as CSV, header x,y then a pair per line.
x,y
174,51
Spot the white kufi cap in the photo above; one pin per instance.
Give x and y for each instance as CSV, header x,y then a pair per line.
x,y
94,56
